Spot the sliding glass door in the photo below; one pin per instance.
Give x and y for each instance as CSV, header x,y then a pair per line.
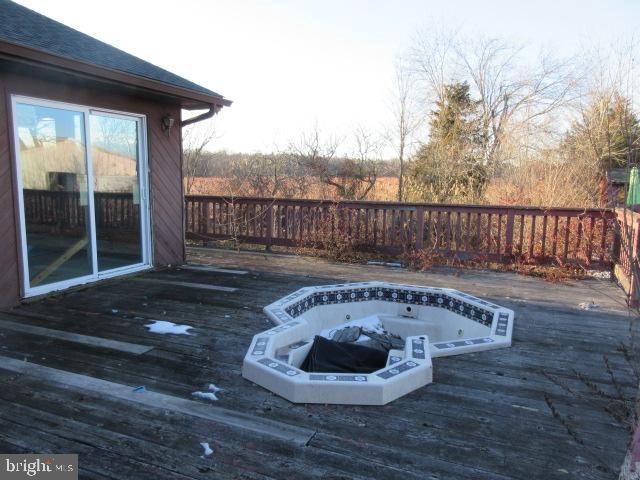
x,y
83,201
53,159
116,190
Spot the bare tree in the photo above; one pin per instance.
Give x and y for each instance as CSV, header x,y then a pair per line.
x,y
510,94
406,121
196,141
268,175
315,152
513,96
351,177
605,124
432,61
362,167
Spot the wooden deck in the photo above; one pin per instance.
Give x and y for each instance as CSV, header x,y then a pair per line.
x,y
69,366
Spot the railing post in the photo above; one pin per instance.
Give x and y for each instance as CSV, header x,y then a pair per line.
x,y
187,229
508,247
617,237
633,263
269,238
419,228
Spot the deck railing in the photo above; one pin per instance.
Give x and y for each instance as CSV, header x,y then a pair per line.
x,y
494,233
594,238
627,267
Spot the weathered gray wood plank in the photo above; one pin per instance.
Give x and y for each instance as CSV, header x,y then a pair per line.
x,y
484,417
278,430
211,268
126,347
200,286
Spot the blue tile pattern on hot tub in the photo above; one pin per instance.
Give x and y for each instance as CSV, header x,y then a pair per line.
x,y
337,378
282,316
503,323
398,295
280,367
397,369
463,343
260,346
393,359
417,348
281,328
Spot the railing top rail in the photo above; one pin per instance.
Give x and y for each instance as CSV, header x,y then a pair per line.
x,y
515,209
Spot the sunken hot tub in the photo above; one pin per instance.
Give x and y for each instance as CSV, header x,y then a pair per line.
x,y
412,324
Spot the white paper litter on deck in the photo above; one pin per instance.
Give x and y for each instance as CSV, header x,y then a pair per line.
x,y
205,396
213,388
588,306
386,264
372,323
207,449
599,274
161,326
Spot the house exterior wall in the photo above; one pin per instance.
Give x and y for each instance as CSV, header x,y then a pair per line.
x,y
164,156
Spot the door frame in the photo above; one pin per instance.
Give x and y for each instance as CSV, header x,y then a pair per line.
x,y
143,184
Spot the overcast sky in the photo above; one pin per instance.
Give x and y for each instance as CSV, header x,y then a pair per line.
x,y
291,63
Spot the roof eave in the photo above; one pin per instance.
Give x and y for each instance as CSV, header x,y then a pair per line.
x,y
192,99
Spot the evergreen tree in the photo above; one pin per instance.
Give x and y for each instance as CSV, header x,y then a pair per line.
x,y
448,168
607,133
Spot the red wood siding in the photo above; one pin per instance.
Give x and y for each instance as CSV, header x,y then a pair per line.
x,y
10,265
165,161
167,200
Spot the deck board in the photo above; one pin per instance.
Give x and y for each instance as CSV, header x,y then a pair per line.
x,y
74,337
484,417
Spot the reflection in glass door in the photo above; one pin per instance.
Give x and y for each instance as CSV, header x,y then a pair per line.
x,y
116,190
83,207
53,158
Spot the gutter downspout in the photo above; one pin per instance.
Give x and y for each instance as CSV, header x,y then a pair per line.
x,y
213,109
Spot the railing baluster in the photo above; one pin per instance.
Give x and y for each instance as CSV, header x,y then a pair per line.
x,y
366,225
532,236
555,236
301,217
603,242
458,232
384,227
489,230
419,228
499,238
509,233
467,237
590,240
543,253
521,241
448,231
375,227
566,240
579,238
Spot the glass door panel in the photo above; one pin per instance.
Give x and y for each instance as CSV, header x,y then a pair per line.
x,y
116,185
53,171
